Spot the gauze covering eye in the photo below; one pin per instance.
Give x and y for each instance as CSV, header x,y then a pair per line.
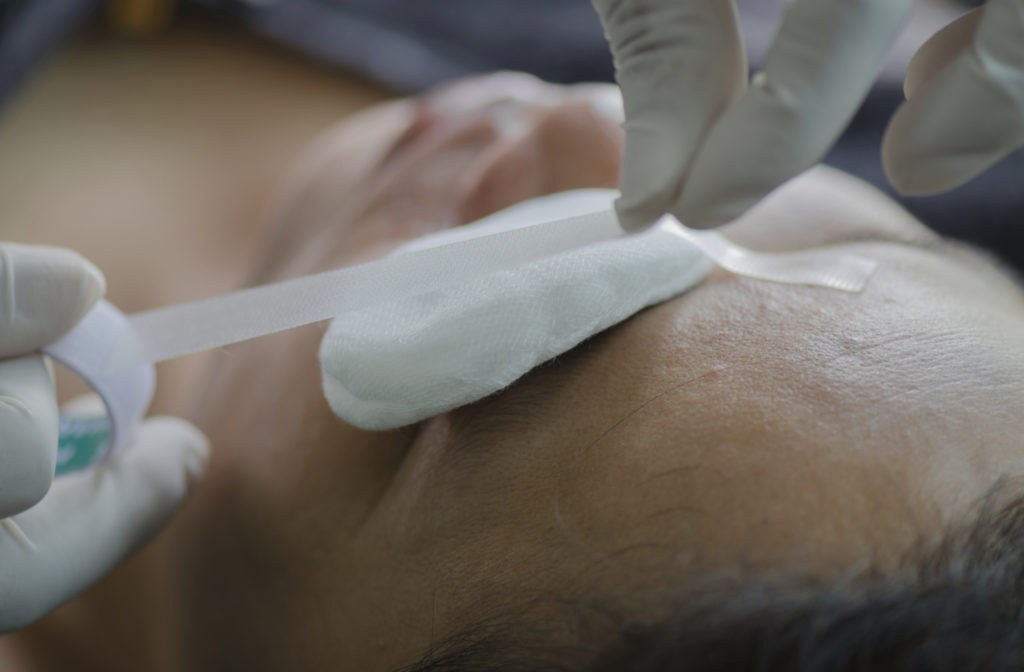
x,y
445,320
400,362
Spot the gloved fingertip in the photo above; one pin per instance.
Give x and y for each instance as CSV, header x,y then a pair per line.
x,y
962,121
704,221
636,218
897,160
83,284
180,441
709,213
911,183
716,194
48,290
653,164
925,173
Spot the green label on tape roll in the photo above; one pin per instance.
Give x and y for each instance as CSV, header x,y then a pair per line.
x,y
82,443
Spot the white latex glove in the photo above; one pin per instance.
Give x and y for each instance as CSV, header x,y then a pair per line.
x,y
701,145
55,542
965,109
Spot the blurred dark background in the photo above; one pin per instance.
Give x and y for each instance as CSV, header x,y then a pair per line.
x,y
410,45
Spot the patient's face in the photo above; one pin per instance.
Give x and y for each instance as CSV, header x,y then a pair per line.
x,y
744,425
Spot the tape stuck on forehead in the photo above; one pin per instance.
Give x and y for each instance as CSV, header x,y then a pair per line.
x,y
399,363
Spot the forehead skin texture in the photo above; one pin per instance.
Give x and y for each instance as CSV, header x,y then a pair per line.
x,y
743,426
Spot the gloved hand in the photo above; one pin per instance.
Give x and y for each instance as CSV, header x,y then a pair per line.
x,y
701,145
56,541
965,109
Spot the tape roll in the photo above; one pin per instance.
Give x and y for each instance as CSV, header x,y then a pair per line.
x,y
126,394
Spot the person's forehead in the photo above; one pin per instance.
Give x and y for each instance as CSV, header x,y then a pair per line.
x,y
754,334
659,408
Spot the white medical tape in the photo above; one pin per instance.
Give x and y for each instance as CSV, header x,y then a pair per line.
x,y
114,354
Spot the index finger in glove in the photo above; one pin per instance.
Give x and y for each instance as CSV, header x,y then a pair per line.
x,y
966,102
91,521
821,66
679,63
44,291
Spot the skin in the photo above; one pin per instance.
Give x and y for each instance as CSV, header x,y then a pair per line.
x,y
741,427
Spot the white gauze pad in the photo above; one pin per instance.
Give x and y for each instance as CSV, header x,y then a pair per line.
x,y
399,363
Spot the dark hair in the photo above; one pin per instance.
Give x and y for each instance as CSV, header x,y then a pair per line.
x,y
956,605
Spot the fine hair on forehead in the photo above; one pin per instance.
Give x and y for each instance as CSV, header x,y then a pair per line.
x,y
955,604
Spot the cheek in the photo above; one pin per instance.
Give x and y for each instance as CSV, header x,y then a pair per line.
x,y
287,488
273,429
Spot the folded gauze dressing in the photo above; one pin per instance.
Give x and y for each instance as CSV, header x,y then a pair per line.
x,y
407,360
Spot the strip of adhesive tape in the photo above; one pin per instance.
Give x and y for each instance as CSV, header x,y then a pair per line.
x,y
114,354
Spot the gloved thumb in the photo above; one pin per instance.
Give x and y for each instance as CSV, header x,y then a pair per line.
x,y
679,64
89,522
44,291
